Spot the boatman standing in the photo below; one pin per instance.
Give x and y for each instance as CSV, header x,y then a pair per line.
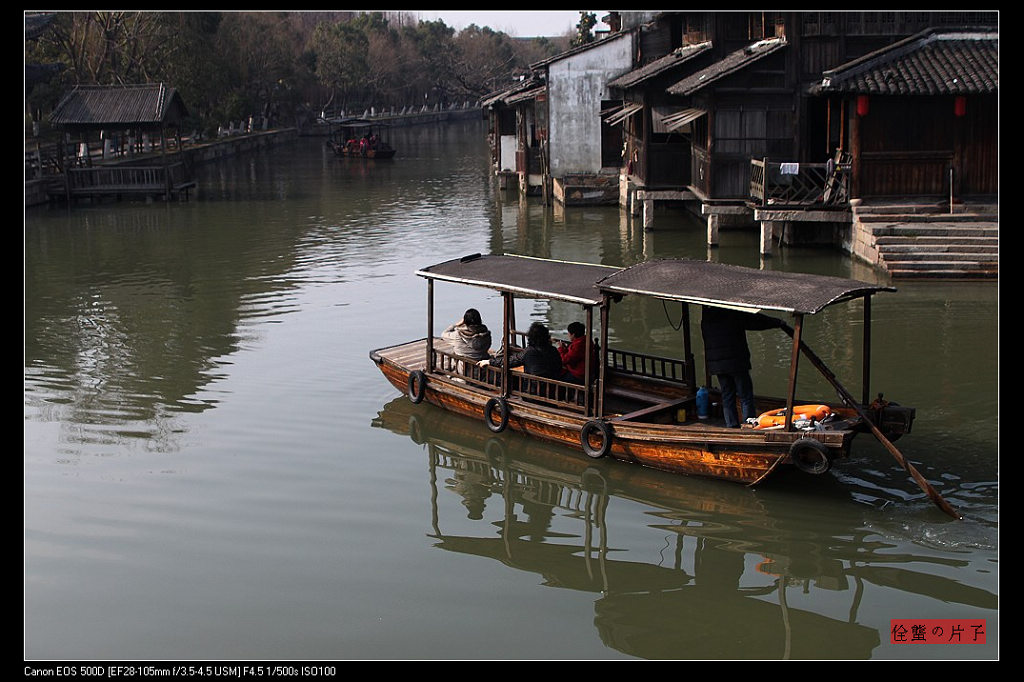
x,y
728,356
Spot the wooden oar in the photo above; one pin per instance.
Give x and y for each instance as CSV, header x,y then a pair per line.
x,y
849,400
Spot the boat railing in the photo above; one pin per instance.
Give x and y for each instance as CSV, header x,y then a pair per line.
x,y
561,394
670,369
642,364
464,368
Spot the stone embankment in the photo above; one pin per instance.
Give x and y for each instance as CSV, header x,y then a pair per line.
x,y
926,240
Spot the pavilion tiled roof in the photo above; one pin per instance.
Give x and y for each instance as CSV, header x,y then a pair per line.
x,y
934,62
147,105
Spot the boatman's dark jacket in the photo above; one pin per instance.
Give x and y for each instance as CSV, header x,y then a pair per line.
x,y
725,338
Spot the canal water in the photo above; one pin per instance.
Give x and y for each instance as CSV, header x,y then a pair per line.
x,y
215,470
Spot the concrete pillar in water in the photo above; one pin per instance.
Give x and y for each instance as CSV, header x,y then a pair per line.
x,y
713,223
768,232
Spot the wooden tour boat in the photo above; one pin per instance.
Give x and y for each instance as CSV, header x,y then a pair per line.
x,y
359,138
642,408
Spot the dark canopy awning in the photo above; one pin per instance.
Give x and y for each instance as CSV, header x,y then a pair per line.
x,y
530,277
734,286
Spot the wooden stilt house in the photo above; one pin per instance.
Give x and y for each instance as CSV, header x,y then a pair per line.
x,y
922,114
763,97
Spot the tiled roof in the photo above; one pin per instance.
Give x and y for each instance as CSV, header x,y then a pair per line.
x,y
524,89
673,59
726,66
933,62
119,105
573,51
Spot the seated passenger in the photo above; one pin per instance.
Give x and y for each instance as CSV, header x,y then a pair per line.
x,y
574,356
539,357
470,337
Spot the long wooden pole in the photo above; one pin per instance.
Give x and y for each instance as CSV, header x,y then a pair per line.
x,y
932,493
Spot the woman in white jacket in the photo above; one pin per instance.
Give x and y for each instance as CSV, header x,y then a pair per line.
x,y
470,337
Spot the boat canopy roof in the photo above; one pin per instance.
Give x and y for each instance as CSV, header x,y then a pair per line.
x,y
735,286
531,277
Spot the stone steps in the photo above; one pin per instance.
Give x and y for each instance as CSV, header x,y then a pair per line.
x,y
925,241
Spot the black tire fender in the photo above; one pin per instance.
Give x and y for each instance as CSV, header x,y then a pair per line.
x,y
416,430
502,406
417,385
603,429
810,455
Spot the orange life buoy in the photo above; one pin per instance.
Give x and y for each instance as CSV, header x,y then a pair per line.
x,y
800,412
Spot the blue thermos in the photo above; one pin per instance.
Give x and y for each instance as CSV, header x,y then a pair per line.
x,y
703,403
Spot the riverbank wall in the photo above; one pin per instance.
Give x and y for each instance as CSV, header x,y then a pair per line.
x,y
40,189
318,128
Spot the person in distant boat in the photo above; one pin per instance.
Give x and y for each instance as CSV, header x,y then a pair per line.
x,y
574,354
470,337
728,356
539,357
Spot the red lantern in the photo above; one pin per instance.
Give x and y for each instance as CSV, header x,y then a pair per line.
x,y
960,106
862,105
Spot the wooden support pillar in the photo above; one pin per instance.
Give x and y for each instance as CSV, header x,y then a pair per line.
x,y
588,361
794,361
428,364
691,371
507,321
603,367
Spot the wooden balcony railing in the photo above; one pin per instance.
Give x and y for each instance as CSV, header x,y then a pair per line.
x,y
774,183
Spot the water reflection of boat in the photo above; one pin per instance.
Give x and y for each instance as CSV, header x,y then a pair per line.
x,y
638,407
693,606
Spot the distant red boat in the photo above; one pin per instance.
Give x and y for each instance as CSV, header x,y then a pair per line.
x,y
359,138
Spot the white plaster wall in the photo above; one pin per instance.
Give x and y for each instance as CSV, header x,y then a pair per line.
x,y
507,153
576,86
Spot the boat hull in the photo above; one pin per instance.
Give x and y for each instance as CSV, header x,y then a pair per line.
x,y
744,455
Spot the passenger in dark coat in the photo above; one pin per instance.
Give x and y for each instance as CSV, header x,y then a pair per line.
x,y
728,356
539,357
